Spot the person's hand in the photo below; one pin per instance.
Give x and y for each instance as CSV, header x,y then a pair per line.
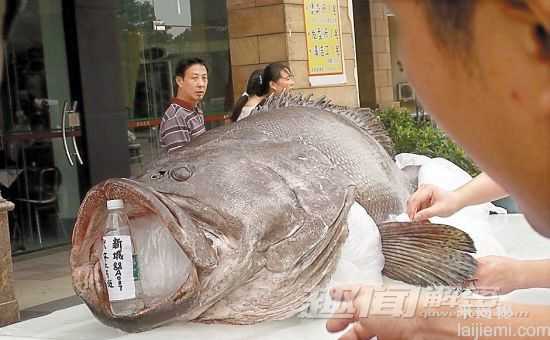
x,y
429,201
497,274
353,313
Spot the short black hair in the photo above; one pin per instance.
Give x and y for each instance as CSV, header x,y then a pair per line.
x,y
184,64
451,21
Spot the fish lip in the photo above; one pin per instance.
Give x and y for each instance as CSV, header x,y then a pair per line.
x,y
140,195
179,223
88,281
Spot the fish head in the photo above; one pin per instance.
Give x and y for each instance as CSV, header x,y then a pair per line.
x,y
174,255
210,229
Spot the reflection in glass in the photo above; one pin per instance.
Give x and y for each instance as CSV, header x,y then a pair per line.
x,y
34,172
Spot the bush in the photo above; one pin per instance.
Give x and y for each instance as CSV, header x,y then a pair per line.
x,y
421,137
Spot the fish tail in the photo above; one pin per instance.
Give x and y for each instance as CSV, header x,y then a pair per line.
x,y
425,254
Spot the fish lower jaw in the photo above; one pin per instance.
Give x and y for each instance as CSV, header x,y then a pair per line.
x,y
166,273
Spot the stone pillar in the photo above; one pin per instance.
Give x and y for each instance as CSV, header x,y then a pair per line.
x,y
365,54
381,53
267,31
9,309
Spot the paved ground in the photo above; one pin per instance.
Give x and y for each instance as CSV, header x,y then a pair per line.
x,y
42,282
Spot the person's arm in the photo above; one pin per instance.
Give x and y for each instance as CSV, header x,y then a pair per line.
x,y
440,323
430,200
527,321
479,190
502,275
535,274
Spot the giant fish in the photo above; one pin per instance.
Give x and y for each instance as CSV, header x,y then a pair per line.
x,y
245,222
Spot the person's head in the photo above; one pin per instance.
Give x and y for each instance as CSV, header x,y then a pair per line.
x,y
277,78
254,87
482,69
191,79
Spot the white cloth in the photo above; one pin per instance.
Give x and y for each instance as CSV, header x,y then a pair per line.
x,y
361,259
443,173
245,112
78,323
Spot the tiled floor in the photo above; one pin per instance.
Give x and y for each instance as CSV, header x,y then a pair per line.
x,y
42,282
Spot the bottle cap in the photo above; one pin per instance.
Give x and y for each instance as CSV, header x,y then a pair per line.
x,y
115,204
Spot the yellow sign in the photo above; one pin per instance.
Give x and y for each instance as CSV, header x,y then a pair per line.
x,y
324,43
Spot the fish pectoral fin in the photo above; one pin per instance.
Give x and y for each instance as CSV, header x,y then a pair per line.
x,y
425,254
311,239
284,255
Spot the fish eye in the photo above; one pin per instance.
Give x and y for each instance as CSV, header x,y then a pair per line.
x,y
181,174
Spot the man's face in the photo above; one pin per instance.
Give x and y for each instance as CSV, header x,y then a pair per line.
x,y
192,86
489,98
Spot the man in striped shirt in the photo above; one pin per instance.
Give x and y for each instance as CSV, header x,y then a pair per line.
x,y
183,119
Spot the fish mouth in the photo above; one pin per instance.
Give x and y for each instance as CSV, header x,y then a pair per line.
x,y
170,251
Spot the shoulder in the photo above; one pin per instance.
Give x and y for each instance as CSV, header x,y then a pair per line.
x,y
171,111
180,112
247,111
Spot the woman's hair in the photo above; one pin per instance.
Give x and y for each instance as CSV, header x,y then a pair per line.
x,y
272,72
258,85
254,87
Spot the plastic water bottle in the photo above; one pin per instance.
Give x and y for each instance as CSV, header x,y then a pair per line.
x,y
119,263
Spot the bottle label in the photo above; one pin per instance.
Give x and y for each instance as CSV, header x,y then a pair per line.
x,y
118,267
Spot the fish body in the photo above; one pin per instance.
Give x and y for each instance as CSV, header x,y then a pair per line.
x,y
255,213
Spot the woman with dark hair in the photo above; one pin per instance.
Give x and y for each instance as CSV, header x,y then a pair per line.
x,y
277,78
274,78
251,98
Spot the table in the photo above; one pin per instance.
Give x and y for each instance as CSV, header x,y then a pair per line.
x,y
78,323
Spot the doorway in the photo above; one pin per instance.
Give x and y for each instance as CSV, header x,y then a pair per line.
x,y
40,154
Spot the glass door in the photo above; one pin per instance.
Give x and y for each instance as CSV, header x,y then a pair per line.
x,y
40,156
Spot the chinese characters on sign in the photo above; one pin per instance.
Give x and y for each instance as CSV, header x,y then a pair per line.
x,y
119,267
323,36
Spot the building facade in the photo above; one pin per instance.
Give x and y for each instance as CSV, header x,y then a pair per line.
x,y
86,81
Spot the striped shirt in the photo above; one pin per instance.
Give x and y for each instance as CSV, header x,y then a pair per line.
x,y
181,122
